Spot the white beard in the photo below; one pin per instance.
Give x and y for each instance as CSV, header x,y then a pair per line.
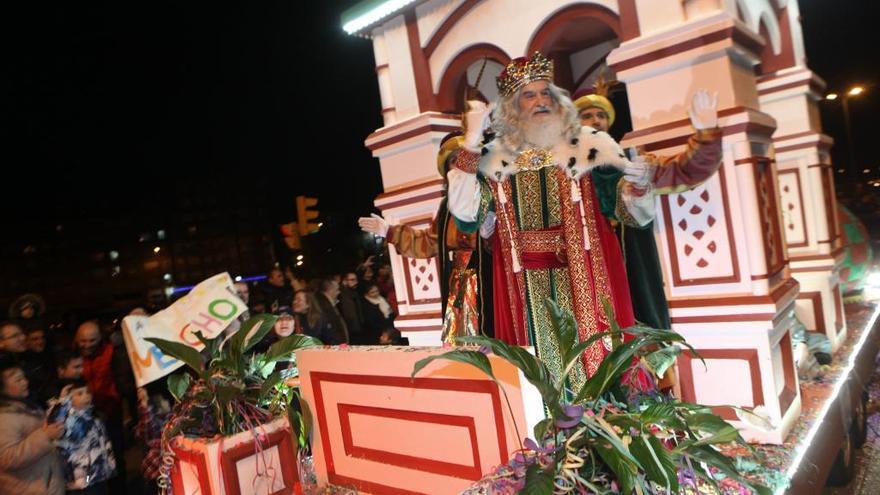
x,y
543,133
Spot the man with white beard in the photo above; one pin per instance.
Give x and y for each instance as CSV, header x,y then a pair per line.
x,y
553,237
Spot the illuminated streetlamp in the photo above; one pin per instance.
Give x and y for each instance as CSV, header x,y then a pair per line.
x,y
844,101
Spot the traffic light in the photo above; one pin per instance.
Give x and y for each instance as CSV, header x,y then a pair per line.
x,y
304,214
291,235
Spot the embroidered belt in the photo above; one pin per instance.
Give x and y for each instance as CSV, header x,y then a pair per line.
x,y
542,249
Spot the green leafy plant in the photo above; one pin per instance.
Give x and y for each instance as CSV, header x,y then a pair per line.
x,y
614,434
227,389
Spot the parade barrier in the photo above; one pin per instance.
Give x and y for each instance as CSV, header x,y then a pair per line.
x,y
238,464
381,431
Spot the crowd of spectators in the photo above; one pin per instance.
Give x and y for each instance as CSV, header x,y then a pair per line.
x,y
69,408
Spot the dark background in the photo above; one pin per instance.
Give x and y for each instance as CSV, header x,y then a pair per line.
x,y
204,121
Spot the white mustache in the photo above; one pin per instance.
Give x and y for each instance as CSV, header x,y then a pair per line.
x,y
541,108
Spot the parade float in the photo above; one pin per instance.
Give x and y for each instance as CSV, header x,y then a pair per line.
x,y
745,255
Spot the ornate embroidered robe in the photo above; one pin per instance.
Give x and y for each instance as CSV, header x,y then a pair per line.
x,y
553,238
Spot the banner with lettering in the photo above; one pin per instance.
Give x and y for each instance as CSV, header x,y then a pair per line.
x,y
208,308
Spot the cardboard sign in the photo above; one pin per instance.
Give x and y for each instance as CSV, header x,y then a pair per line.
x,y
209,308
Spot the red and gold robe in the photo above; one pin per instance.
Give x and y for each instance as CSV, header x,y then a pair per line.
x,y
553,238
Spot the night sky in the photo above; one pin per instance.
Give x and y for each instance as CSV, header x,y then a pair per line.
x,y
259,93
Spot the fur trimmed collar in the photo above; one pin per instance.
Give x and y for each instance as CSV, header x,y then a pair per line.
x,y
590,149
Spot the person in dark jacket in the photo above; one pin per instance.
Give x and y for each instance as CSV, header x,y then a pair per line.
x,y
351,307
308,318
378,314
327,298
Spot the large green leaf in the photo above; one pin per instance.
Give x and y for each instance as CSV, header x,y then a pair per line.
x,y
660,413
662,359
269,383
574,354
712,427
178,384
306,416
256,335
564,327
610,370
656,461
532,368
183,352
284,348
538,481
624,469
712,457
542,428
473,358
259,324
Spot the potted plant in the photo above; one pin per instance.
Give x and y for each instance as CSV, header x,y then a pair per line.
x,y
230,428
612,435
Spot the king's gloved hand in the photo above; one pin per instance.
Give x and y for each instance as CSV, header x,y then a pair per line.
x,y
704,110
476,121
639,172
374,224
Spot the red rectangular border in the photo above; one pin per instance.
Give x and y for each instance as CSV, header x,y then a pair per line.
x,y
688,391
473,471
802,206
318,378
677,280
286,459
193,457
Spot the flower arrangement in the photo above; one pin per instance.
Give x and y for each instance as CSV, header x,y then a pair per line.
x,y
613,435
228,390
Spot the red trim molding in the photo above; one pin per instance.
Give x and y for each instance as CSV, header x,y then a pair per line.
x,y
734,33
677,279
815,297
789,389
472,471
318,378
286,459
447,25
421,69
553,26
193,457
838,311
629,19
397,192
685,369
412,133
451,89
801,205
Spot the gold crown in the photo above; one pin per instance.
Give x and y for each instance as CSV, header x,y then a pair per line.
x,y
521,71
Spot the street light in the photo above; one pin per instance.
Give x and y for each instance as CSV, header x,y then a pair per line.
x,y
851,92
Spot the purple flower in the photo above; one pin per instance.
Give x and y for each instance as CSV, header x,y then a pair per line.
x,y
485,349
533,446
574,413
